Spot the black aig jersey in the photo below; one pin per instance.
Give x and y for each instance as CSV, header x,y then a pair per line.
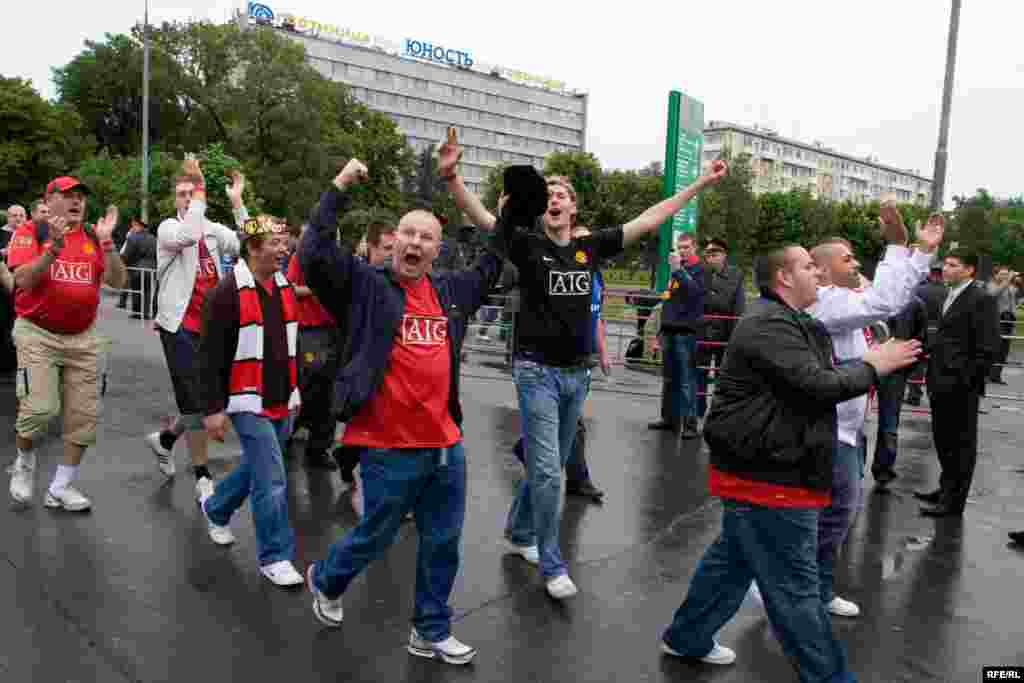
x,y
554,320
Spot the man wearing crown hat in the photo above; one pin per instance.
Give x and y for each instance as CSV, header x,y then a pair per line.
x,y
248,361
58,268
190,251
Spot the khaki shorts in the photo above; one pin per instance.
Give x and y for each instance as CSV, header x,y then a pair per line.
x,y
59,374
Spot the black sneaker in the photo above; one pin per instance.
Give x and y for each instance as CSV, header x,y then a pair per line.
x,y
320,460
347,459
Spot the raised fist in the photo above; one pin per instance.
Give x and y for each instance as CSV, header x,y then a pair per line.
x,y
448,155
893,229
354,173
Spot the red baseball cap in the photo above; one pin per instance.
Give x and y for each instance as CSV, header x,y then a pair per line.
x,y
65,183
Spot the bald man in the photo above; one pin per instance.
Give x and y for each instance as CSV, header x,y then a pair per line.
x,y
398,392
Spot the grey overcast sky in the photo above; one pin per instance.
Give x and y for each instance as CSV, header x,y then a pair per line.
x,y
864,77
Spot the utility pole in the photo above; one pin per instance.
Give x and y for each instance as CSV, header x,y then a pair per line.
x,y
942,152
145,116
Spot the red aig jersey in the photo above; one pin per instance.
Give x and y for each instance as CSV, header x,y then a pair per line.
x,y
311,312
66,298
206,279
410,410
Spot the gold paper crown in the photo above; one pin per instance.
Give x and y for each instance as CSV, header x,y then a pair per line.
x,y
261,225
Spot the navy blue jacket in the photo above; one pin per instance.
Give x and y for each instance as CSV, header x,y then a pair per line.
x,y
373,302
683,309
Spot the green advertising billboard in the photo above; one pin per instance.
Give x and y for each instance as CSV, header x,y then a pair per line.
x,y
684,145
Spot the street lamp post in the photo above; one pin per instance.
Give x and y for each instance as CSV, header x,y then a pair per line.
x,y
941,153
145,117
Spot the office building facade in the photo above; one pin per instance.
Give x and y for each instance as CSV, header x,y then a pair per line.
x,y
503,116
780,164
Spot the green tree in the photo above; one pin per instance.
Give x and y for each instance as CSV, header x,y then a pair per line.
x,y
40,141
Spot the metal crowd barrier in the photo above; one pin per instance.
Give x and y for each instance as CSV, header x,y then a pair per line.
x,y
140,292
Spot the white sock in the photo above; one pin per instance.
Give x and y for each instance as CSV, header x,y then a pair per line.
x,y
27,458
65,475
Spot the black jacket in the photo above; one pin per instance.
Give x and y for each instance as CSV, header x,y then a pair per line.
x,y
140,250
723,295
774,415
965,344
372,303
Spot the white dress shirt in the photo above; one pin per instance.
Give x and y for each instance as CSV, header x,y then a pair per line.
x,y
845,313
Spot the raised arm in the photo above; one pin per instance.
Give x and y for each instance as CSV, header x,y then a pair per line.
x,y
115,274
328,267
447,162
650,219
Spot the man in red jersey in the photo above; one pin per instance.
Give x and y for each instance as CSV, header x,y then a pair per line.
x,y
58,268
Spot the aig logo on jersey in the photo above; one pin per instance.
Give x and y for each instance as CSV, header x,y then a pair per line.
x,y
572,283
424,330
71,273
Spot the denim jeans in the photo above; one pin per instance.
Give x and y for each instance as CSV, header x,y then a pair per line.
x,y
577,472
261,477
550,403
430,482
776,547
679,392
890,402
834,525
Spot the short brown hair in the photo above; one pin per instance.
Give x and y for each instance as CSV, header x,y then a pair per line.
x,y
562,181
770,264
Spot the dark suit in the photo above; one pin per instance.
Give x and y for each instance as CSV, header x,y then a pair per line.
x,y
140,252
961,353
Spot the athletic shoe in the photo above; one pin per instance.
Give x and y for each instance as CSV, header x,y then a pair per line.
x,y
718,654
561,587
450,650
221,535
282,573
23,481
843,608
67,499
164,457
204,489
328,612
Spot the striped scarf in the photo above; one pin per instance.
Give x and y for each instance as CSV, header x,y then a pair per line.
x,y
246,380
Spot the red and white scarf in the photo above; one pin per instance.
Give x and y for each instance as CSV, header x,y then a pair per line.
x,y
246,381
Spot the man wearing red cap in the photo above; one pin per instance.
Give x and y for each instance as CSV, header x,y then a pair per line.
x,y
58,268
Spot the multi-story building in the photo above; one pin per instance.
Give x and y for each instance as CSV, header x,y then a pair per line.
x,y
780,164
503,116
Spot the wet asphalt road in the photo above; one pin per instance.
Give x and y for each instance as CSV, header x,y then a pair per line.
x,y
136,591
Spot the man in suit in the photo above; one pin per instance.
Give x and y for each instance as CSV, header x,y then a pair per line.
x,y
138,252
964,348
932,293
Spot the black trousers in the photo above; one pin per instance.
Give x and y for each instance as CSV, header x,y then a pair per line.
x,y
318,349
955,430
1007,325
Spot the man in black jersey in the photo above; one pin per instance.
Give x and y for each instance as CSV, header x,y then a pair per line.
x,y
551,365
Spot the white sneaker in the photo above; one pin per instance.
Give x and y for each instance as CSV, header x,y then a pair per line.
x,y
282,573
328,612
561,587
204,489
68,499
450,650
718,654
164,457
843,608
530,553
23,482
221,535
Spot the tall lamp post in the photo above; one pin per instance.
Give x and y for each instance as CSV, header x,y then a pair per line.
x,y
941,153
145,116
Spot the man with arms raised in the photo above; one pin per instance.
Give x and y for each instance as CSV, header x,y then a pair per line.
x,y
58,268
551,367
398,391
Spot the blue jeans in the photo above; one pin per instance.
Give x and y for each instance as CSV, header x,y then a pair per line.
x,y
550,403
430,482
834,525
576,470
890,402
260,476
679,392
777,548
